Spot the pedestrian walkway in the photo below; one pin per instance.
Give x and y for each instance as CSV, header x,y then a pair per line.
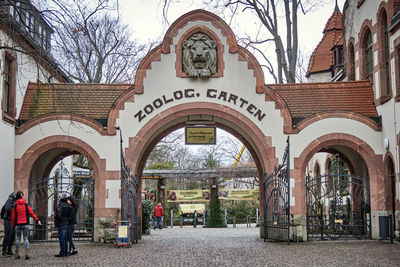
x,y
239,246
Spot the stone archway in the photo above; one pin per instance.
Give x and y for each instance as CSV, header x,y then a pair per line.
x,y
228,119
373,164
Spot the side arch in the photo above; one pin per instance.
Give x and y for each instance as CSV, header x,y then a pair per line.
x,y
372,160
24,165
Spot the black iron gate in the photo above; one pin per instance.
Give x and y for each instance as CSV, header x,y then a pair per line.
x,y
338,205
277,201
129,196
44,196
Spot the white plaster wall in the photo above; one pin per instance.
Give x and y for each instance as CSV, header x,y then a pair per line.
x,y
106,146
366,11
320,77
394,108
335,125
26,71
6,160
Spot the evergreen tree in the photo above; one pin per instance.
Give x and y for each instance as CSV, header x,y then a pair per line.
x,y
216,218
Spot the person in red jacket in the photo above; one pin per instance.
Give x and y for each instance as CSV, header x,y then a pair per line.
x,y
158,213
20,220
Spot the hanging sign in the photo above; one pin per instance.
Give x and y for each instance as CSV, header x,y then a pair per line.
x,y
199,135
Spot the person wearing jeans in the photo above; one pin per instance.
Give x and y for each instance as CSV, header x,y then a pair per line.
x,y
63,213
72,225
158,213
9,231
20,220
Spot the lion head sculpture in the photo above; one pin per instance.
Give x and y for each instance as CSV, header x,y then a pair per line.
x,y
199,58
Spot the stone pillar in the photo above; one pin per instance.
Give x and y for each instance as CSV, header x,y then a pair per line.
x,y
161,191
213,190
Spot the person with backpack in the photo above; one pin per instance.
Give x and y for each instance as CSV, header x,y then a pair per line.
x,y
9,233
63,214
20,220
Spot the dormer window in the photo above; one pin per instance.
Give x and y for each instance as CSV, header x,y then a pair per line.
x,y
338,56
24,16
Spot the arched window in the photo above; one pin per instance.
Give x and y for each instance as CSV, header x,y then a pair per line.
x,y
352,68
317,172
368,54
384,42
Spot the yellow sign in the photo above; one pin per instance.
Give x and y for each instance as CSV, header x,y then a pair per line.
x,y
200,135
190,208
122,231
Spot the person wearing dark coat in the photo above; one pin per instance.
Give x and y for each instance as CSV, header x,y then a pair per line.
x,y
63,213
9,232
72,225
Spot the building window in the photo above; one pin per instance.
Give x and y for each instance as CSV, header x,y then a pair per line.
x,y
386,76
9,87
368,55
17,12
6,88
352,69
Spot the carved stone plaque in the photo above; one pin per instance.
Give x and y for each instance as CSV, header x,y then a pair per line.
x,y
199,58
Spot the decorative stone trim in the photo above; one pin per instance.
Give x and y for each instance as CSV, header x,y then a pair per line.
x,y
272,95
127,96
339,114
252,64
59,116
154,55
396,45
367,25
194,15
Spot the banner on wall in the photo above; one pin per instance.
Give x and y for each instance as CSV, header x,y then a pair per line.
x,y
188,195
204,195
239,194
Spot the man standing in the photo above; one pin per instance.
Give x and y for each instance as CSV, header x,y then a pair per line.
x,y
20,220
158,213
63,215
9,232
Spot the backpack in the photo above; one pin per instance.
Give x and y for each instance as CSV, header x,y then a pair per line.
x,y
3,211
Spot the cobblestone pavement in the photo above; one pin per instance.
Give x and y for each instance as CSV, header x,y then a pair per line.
x,y
239,246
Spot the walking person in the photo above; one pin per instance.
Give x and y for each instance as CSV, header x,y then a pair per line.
x,y
9,233
20,220
158,213
195,219
72,225
63,214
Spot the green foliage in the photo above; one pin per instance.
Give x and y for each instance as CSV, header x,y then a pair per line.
x,y
161,165
210,162
147,209
241,209
216,218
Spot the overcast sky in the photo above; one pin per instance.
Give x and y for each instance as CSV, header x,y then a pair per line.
x,y
145,19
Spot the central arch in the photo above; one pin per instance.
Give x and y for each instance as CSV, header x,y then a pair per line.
x,y
228,119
